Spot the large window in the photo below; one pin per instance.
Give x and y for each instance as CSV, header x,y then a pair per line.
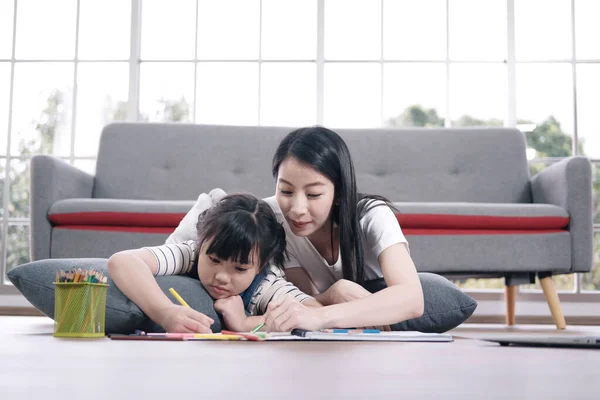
x,y
68,67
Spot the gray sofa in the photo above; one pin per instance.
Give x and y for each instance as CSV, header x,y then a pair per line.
x,y
467,203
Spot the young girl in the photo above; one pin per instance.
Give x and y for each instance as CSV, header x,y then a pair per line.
x,y
237,240
337,239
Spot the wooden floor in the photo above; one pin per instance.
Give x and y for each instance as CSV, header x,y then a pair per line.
x,y
33,364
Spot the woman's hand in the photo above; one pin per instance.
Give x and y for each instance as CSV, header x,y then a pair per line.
x,y
285,314
232,309
180,319
344,291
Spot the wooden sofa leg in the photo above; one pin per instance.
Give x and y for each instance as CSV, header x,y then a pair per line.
x,y
510,295
553,302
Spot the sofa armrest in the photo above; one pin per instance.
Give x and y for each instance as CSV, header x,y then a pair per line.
x,y
568,184
51,180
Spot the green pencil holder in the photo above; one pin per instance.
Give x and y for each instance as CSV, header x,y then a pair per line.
x,y
79,309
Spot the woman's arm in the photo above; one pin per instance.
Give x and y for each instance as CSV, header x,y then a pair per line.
x,y
401,300
133,273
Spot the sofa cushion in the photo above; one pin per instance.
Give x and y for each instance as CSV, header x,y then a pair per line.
x,y
34,281
488,216
446,306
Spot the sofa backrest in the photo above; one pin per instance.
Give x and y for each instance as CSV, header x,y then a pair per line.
x,y
178,161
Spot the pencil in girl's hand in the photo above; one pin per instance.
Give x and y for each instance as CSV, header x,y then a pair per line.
x,y
178,297
257,328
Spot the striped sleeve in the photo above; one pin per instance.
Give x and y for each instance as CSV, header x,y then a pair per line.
x,y
174,259
272,287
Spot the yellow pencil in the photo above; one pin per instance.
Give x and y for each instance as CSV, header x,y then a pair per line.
x,y
216,336
178,297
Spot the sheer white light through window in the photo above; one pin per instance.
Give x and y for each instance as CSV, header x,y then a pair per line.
x,y
588,104
46,29
477,30
101,98
288,94
168,29
164,88
228,29
414,30
227,93
4,99
289,30
352,95
405,85
352,29
542,29
587,29
34,85
478,90
545,90
104,29
6,28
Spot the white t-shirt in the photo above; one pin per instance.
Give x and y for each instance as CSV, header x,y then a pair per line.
x,y
381,230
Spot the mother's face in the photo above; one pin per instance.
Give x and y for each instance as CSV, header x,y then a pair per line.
x,y
305,197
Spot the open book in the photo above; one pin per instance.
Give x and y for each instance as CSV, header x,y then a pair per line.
x,y
359,335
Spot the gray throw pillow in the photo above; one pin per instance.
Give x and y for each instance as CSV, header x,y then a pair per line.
x,y
34,281
446,306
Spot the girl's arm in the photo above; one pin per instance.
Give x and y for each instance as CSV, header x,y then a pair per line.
x,y
133,272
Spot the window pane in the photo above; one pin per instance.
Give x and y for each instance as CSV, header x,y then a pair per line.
x,y
587,28
166,91
227,93
289,29
18,201
2,180
17,246
414,30
596,192
563,283
477,29
6,28
46,29
97,42
352,29
414,94
88,166
591,280
477,94
228,29
545,98
588,99
480,283
102,90
4,99
42,106
168,29
542,29
285,101
359,107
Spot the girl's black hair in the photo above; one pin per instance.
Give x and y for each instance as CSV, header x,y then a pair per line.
x,y
326,152
240,227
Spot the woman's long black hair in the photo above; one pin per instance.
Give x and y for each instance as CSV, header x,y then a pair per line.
x,y
326,152
241,226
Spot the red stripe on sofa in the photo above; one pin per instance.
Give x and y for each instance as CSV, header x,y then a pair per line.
x,y
112,228
446,221
118,219
455,232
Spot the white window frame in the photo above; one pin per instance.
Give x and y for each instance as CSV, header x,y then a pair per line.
x,y
134,61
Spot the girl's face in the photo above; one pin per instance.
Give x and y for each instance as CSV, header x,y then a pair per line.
x,y
305,197
224,278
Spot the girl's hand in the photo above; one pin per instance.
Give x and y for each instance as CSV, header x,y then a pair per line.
x,y
232,309
285,314
180,319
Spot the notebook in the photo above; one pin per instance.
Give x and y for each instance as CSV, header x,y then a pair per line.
x,y
590,342
359,335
